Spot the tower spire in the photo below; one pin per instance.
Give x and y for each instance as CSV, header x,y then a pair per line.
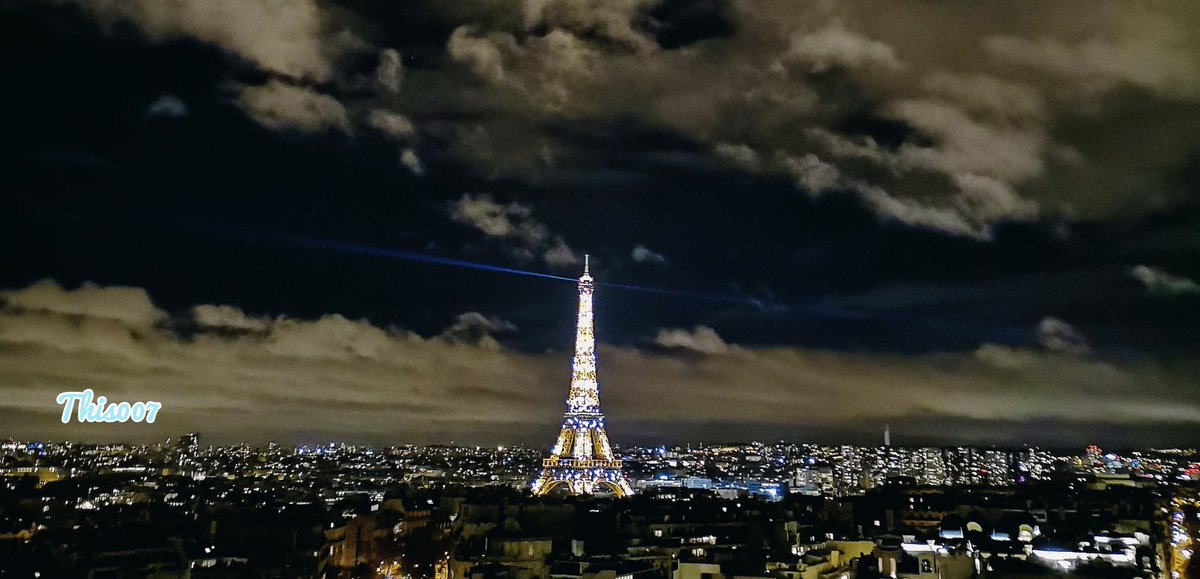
x,y
582,458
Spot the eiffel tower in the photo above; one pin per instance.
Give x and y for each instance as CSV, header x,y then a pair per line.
x,y
582,460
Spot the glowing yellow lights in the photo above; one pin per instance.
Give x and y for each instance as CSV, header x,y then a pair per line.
x,y
390,569
1181,532
582,459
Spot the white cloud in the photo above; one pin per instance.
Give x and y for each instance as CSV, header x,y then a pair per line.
x,y
299,43
513,222
1058,336
969,216
410,160
390,123
988,95
739,155
130,306
560,254
222,317
1156,60
612,21
701,339
497,220
477,329
279,106
332,337
481,54
843,147
389,74
914,213
834,45
989,200
812,174
981,160
1006,357
473,321
643,254
967,145
1160,282
293,37
545,70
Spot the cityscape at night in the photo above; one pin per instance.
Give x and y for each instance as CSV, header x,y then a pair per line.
x,y
600,289
182,507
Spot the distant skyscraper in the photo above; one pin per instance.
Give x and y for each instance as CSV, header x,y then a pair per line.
x,y
186,448
930,466
887,434
189,442
582,459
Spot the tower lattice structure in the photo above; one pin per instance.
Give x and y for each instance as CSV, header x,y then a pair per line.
x,y
582,459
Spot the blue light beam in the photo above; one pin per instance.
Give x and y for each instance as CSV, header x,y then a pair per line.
x,y
382,252
295,240
686,294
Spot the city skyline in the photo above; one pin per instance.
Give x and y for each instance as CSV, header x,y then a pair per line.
x,y
185,508
362,222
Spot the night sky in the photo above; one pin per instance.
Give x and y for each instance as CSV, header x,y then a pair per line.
x,y
978,222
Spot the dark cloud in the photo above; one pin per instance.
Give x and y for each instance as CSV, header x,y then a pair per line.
x,y
958,143
983,122
167,106
476,328
955,131
942,200
680,23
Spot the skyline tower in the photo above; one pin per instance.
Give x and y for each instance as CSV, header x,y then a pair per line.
x,y
582,459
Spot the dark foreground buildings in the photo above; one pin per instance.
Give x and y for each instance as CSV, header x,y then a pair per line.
x,y
183,510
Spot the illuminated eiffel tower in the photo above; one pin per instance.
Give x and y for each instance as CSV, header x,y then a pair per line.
x,y
582,459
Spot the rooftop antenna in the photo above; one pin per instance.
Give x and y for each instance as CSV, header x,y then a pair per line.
x,y
585,264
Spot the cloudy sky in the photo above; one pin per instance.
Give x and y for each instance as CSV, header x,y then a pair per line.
x,y
977,222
